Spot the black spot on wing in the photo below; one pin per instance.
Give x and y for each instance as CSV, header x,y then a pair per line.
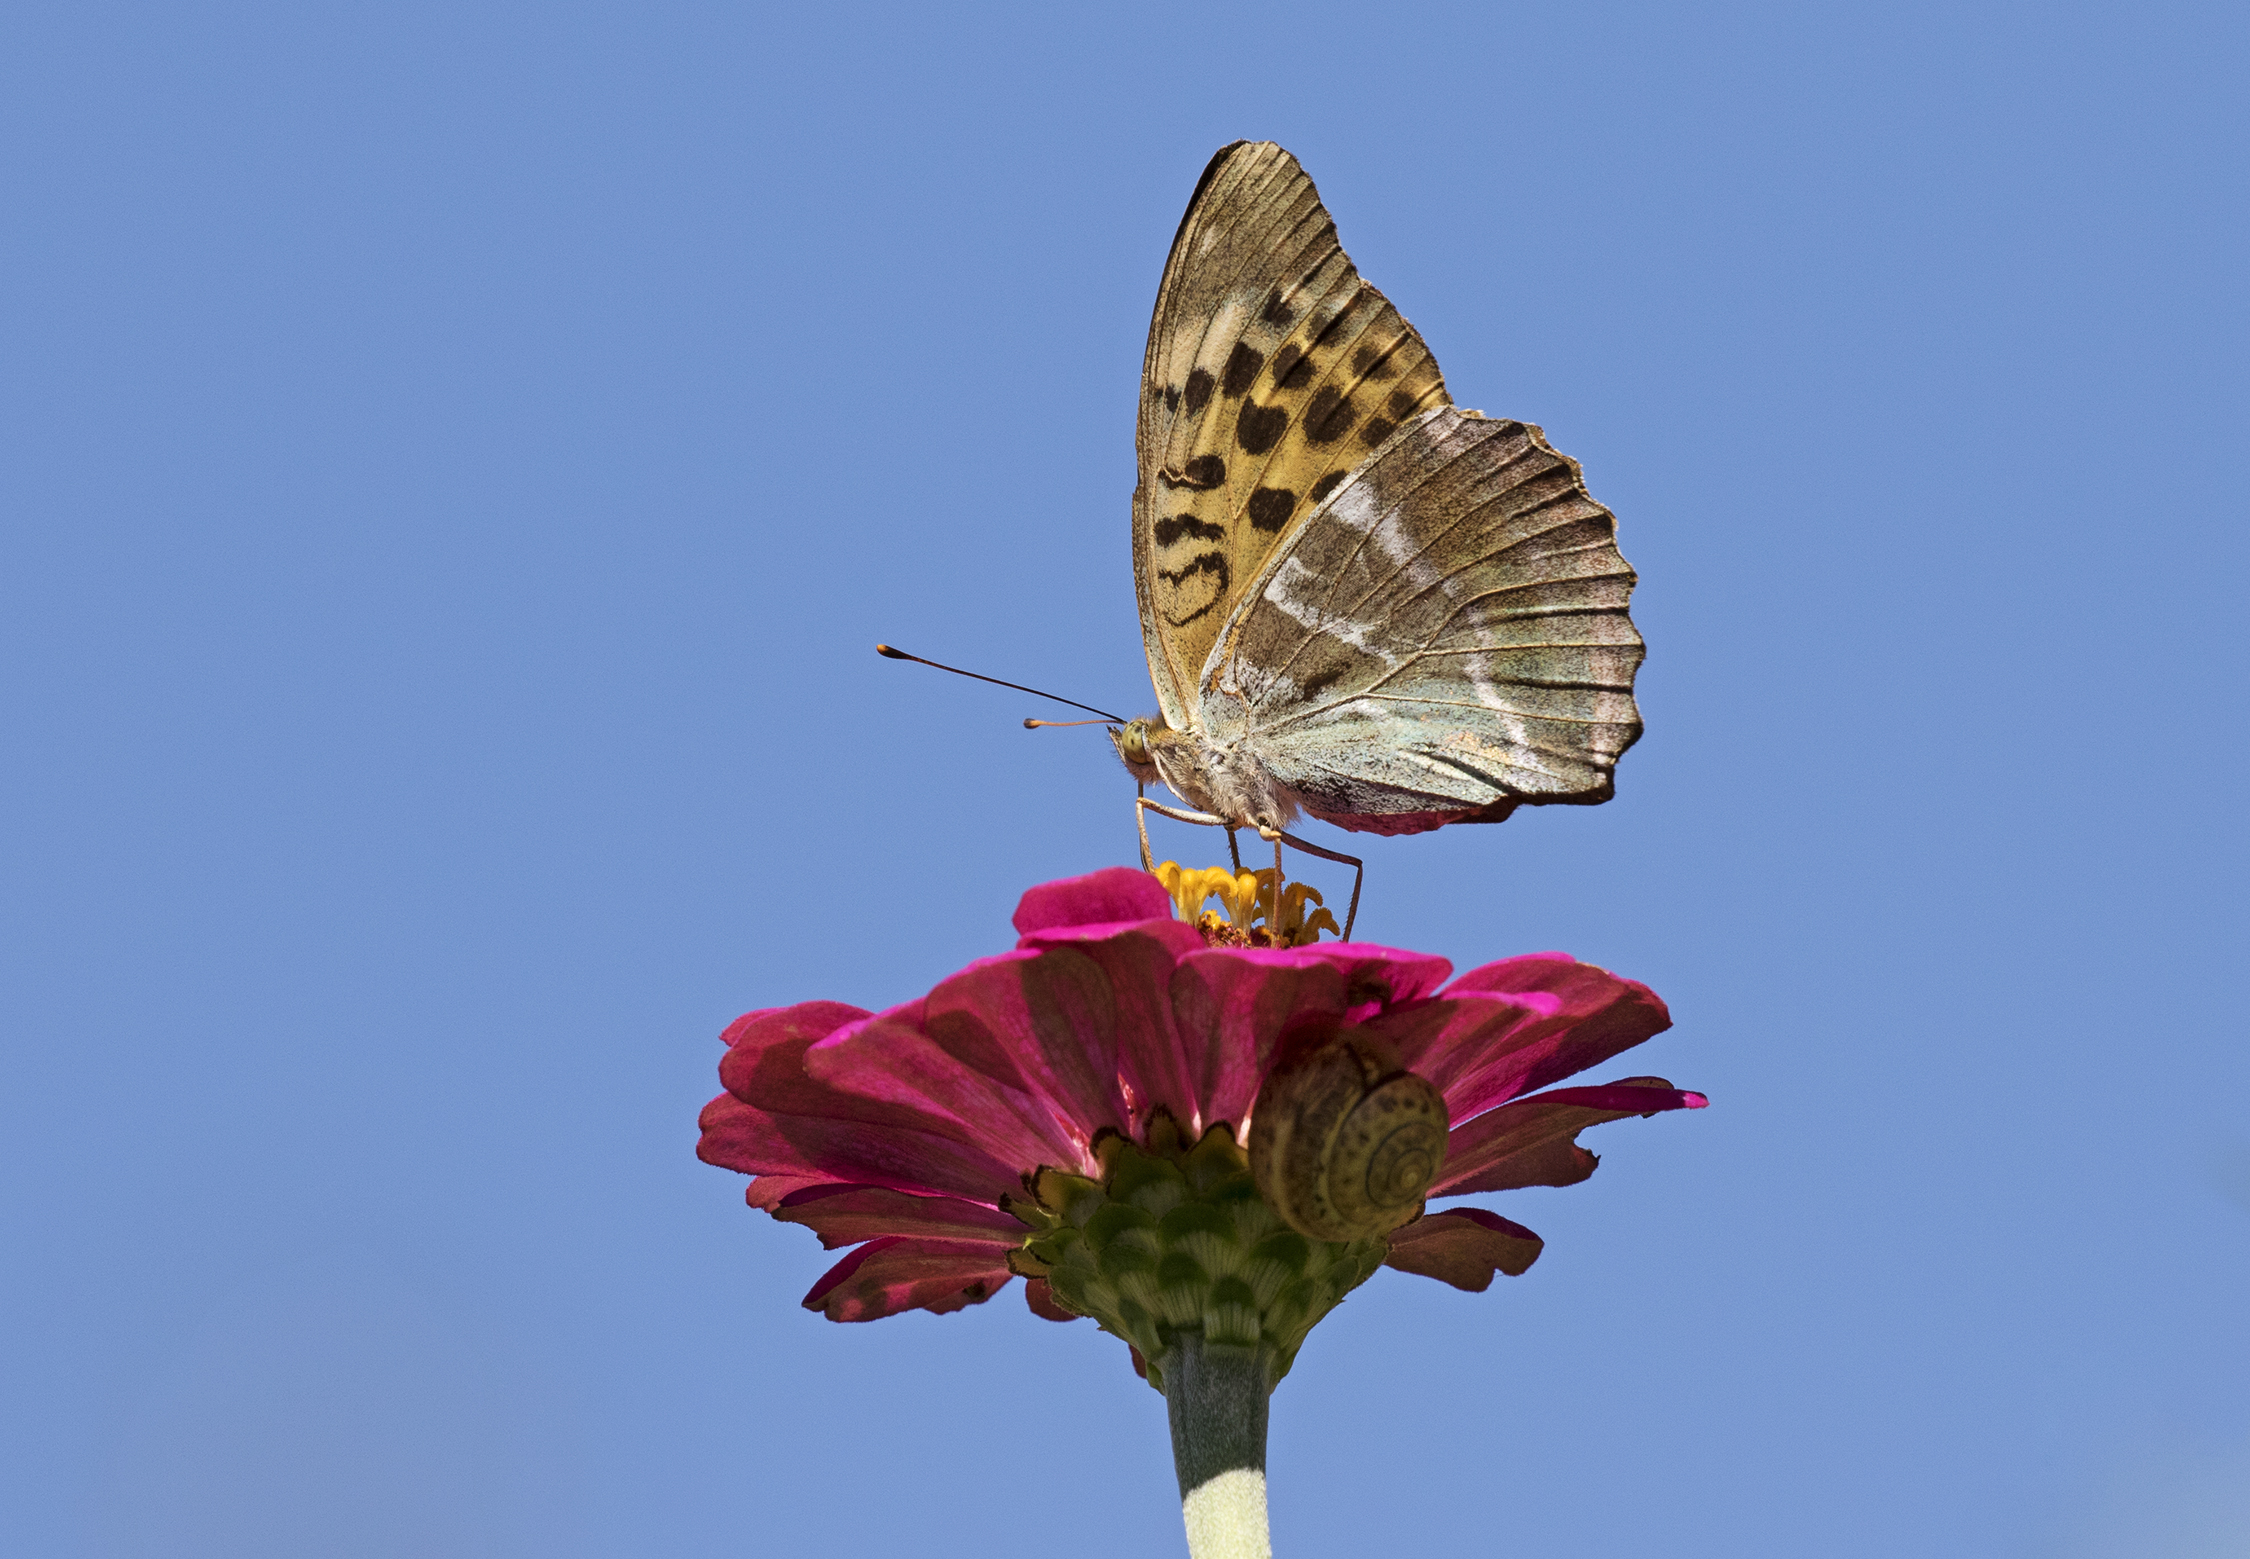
x,y
1330,416
1171,397
1277,311
1198,393
1213,563
1377,430
1301,369
1202,473
1243,364
1259,428
1371,364
1285,359
1270,507
1326,485
1168,531
1401,404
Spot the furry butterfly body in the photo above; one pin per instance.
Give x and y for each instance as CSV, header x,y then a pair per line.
x,y
1359,601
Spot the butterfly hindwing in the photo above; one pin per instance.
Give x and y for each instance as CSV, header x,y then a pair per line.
x,y
1273,370
1442,640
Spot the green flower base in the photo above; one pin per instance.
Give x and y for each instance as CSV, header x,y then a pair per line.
x,y
1174,1240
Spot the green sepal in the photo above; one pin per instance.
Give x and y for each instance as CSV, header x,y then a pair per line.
x,y
1174,1239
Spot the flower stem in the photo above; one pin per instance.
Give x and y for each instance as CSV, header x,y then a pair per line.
x,y
1216,1395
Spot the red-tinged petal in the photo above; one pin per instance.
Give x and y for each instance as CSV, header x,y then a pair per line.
x,y
1106,897
880,1059
765,1192
1524,972
812,1019
884,1277
1137,961
848,1214
1482,1046
1231,1005
743,1137
1445,1038
1533,1141
1041,1299
1378,977
1605,1014
1178,935
1051,1016
765,1066
959,1023
1463,1246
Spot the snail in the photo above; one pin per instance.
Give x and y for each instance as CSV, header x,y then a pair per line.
x,y
1344,1143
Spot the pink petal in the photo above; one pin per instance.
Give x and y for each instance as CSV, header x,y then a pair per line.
x,y
881,1059
1111,895
886,1276
1137,961
765,1192
1378,977
765,1066
961,1028
1532,1141
1463,1246
811,1019
777,1120
743,1137
1514,1026
848,1214
1041,1299
1231,1005
1049,1017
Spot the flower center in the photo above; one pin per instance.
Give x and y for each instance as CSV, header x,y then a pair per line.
x,y
1247,898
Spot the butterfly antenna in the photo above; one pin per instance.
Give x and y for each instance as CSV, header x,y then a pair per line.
x,y
1106,717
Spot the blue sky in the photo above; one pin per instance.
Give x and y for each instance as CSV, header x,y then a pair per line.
x,y
457,460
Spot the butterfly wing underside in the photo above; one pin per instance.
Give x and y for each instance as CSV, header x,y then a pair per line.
x,y
1443,640
1272,371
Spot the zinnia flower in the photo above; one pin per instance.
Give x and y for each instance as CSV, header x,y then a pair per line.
x,y
1202,1147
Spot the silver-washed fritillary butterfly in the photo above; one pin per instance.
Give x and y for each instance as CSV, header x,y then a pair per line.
x,y
1359,600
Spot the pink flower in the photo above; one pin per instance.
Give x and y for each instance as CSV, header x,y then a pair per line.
x,y
945,1140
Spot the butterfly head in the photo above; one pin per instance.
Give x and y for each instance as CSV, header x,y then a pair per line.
x,y
1132,740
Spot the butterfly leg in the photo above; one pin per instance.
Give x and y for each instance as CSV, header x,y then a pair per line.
x,y
1142,807
1234,852
1276,835
1359,871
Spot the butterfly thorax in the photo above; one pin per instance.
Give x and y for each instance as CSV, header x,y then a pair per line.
x,y
1223,778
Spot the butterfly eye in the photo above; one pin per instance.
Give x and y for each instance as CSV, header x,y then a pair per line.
x,y
1132,742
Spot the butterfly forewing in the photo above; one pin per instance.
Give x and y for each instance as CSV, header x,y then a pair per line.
x,y
1444,638
1273,370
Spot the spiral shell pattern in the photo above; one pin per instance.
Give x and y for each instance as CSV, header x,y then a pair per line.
x,y
1345,1145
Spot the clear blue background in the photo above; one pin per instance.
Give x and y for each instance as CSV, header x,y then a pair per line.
x,y
459,457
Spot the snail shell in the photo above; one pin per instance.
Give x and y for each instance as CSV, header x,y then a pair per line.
x,y
1344,1144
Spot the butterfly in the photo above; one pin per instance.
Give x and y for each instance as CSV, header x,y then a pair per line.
x,y
1360,601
